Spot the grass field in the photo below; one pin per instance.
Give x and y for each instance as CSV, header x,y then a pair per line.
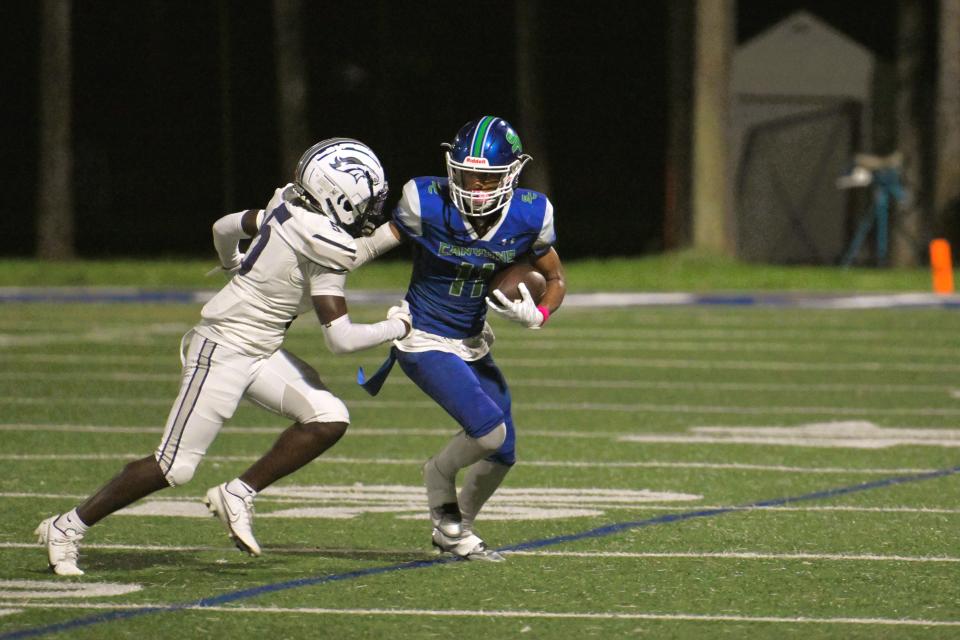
x,y
685,472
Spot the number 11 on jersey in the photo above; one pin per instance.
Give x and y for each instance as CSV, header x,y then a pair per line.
x,y
468,273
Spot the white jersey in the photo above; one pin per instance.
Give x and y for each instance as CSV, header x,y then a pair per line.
x,y
295,255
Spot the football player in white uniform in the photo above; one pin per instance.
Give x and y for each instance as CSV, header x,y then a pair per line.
x,y
309,236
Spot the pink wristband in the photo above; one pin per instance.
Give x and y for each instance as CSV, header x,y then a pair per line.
x,y
545,312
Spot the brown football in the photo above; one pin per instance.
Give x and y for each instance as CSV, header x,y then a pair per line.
x,y
508,279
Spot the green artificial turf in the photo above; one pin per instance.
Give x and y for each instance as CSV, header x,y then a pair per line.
x,y
633,423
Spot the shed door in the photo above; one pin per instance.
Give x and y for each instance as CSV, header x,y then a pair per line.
x,y
788,207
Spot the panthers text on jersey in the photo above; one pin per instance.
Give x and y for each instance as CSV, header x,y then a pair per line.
x,y
452,266
295,255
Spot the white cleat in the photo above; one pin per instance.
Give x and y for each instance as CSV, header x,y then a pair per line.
x,y
468,546
63,547
236,513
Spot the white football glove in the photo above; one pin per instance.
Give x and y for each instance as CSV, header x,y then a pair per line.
x,y
524,311
401,312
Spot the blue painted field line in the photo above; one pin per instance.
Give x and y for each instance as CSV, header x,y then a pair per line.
x,y
690,515
599,532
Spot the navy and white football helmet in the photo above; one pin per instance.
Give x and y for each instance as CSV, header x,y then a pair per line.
x,y
483,166
342,178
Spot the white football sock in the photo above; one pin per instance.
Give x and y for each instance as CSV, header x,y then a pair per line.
x,y
71,521
479,483
462,451
240,488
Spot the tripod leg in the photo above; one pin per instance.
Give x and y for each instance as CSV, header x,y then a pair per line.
x,y
881,205
858,238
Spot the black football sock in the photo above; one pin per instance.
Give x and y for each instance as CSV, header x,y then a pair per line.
x,y
138,479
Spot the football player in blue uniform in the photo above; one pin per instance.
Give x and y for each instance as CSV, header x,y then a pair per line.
x,y
464,229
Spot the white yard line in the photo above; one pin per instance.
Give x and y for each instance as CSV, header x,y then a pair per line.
x,y
114,376
718,555
101,400
267,498
549,383
736,364
857,434
258,430
738,555
574,464
727,386
127,334
86,359
158,429
638,407
730,318
555,383
726,329
632,343
547,363
228,549
753,347
501,613
649,407
733,333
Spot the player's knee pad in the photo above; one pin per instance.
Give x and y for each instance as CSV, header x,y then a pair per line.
x,y
316,405
181,471
506,454
494,439
331,410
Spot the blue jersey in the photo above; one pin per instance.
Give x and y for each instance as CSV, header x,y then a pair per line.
x,y
452,266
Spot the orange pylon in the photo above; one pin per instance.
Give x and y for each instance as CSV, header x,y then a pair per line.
x,y
941,266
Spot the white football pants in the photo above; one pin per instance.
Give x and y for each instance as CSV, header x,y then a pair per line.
x,y
214,380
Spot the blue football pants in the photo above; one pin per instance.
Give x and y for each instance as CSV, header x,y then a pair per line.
x,y
474,393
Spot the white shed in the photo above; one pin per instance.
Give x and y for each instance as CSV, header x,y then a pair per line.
x,y
801,95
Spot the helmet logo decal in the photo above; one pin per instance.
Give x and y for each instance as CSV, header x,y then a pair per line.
x,y
352,167
481,136
514,141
